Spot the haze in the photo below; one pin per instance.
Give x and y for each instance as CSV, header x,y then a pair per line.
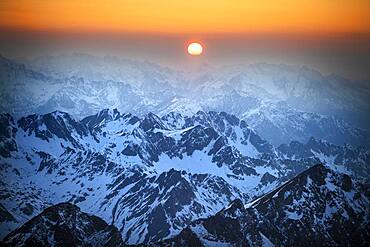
x,y
331,36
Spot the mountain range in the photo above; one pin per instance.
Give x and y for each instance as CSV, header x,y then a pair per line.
x,y
104,151
152,177
317,207
282,103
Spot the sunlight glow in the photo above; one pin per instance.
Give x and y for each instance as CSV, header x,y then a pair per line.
x,y
195,49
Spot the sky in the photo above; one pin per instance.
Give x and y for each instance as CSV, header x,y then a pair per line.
x,y
330,35
191,16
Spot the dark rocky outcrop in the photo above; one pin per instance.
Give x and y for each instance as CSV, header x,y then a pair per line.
x,y
64,225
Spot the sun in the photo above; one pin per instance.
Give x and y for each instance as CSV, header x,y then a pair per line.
x,y
195,49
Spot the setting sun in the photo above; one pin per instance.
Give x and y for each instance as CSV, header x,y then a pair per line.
x,y
195,49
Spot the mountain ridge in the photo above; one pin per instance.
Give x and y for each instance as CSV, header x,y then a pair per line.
x,y
341,216
266,222
272,98
100,163
64,224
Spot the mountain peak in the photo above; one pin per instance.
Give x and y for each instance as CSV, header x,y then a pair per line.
x,y
151,121
237,204
317,206
64,224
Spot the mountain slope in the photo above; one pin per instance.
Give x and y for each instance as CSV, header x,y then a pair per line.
x,y
281,103
64,225
185,167
317,207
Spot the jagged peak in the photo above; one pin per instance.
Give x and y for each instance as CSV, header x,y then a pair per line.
x,y
40,118
234,205
58,113
173,115
102,117
316,173
67,220
111,114
151,121
62,205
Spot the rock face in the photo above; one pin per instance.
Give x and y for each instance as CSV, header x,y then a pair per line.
x,y
316,208
149,176
64,225
7,135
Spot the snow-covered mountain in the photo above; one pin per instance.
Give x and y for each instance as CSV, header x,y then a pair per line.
x,y
318,207
25,91
171,149
65,225
149,176
281,103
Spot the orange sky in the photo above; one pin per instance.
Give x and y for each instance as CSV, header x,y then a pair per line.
x,y
189,16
